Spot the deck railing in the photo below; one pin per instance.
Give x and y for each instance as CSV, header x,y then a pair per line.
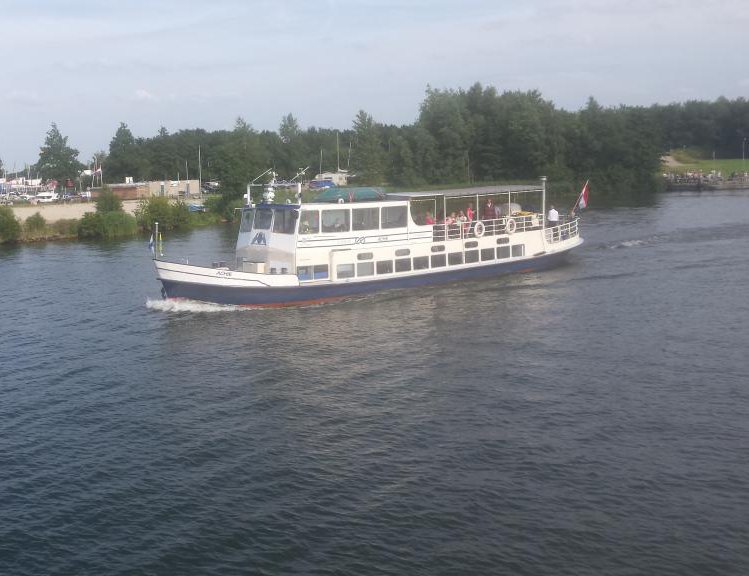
x,y
562,231
477,228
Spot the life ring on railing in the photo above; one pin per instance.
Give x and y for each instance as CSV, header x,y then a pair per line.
x,y
478,229
511,226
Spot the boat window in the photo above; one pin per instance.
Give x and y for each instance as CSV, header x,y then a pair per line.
x,y
472,256
471,244
403,265
402,252
455,258
423,210
438,260
503,252
309,222
394,216
518,250
320,271
421,262
364,256
365,269
304,272
263,218
247,216
335,220
438,248
284,221
365,219
504,240
345,271
385,267
487,254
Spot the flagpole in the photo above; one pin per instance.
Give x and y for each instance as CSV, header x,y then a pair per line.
x,y
155,237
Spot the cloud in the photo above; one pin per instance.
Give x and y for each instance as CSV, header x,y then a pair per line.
x,y
28,98
143,95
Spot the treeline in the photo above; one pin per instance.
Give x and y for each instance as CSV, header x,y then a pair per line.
x,y
460,136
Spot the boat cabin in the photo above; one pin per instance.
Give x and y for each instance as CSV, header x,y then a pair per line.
x,y
351,239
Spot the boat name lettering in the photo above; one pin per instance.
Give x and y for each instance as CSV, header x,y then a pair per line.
x,y
225,273
359,240
382,239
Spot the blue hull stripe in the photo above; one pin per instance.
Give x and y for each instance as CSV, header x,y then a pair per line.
x,y
279,296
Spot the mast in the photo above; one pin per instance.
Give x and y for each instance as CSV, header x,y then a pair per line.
x,y
543,203
200,172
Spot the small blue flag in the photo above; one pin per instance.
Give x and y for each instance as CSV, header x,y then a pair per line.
x,y
151,246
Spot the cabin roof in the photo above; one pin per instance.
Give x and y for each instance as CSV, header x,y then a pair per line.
x,y
467,192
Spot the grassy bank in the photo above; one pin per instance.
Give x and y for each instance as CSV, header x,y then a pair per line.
x,y
694,161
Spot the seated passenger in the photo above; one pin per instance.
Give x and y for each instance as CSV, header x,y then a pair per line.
x,y
429,220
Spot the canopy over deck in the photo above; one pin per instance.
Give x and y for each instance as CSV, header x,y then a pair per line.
x,y
468,192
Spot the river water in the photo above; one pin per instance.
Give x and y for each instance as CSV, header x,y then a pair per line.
x,y
592,419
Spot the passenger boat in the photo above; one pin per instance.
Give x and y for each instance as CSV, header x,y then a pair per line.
x,y
304,253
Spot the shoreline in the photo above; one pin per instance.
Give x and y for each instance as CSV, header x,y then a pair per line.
x,y
55,212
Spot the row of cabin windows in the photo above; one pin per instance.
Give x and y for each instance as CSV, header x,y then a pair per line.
x,y
369,267
356,219
283,221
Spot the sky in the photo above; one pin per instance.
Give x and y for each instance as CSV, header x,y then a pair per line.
x,y
88,65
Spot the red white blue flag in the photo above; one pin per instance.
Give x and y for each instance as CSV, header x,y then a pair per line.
x,y
582,200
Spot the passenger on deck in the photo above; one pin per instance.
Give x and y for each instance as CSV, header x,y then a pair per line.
x,y
469,212
553,218
429,220
489,210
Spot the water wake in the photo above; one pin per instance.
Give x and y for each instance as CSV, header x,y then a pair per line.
x,y
188,306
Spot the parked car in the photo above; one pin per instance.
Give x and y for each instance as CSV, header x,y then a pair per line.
x,y
46,197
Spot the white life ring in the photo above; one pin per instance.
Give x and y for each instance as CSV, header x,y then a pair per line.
x,y
510,226
478,229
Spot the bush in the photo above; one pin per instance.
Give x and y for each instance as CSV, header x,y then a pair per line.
x,y
160,209
224,206
108,201
10,227
35,225
65,228
107,225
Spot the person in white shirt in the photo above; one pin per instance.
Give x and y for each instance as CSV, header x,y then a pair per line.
x,y
553,217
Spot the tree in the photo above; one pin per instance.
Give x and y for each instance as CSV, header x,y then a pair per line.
x,y
369,156
125,156
57,160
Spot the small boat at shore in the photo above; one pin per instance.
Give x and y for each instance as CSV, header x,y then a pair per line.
x,y
294,254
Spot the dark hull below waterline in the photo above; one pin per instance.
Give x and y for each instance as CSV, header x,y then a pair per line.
x,y
312,294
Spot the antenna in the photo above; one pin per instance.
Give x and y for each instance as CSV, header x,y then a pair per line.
x,y
338,154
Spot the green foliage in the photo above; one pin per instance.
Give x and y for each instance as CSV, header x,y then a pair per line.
x,y
66,228
460,136
57,160
126,157
107,225
108,201
34,225
224,207
170,215
369,159
10,227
